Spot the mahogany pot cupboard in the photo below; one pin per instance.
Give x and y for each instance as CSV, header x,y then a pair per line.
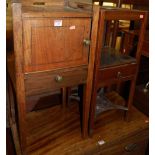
x,y
116,65
55,47
51,47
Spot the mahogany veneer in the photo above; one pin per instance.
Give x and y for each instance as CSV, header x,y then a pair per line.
x,y
51,47
114,65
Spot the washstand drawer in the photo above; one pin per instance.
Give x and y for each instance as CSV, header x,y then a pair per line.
x,y
117,72
132,145
42,82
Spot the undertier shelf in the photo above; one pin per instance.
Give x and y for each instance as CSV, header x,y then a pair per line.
x,y
109,101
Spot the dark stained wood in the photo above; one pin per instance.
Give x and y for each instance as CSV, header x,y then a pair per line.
x,y
17,31
9,143
107,36
64,97
69,90
141,37
124,14
106,74
61,136
115,68
134,2
141,99
145,48
88,87
143,74
128,41
97,58
138,56
133,146
9,32
116,25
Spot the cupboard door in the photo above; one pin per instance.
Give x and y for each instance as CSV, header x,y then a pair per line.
x,y
55,43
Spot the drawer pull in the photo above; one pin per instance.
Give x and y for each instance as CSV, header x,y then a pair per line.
x,y
39,3
86,42
119,74
58,78
130,147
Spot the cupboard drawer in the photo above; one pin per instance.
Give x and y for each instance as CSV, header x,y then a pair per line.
x,y
132,145
116,73
42,82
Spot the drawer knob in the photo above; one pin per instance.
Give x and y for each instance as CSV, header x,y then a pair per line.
x,y
86,42
119,74
58,78
130,147
39,3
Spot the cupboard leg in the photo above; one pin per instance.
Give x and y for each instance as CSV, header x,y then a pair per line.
x,y
64,95
22,126
130,100
68,95
92,111
85,113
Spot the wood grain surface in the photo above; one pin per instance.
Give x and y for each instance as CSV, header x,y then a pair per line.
x,y
44,82
105,75
55,131
47,46
20,92
40,46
